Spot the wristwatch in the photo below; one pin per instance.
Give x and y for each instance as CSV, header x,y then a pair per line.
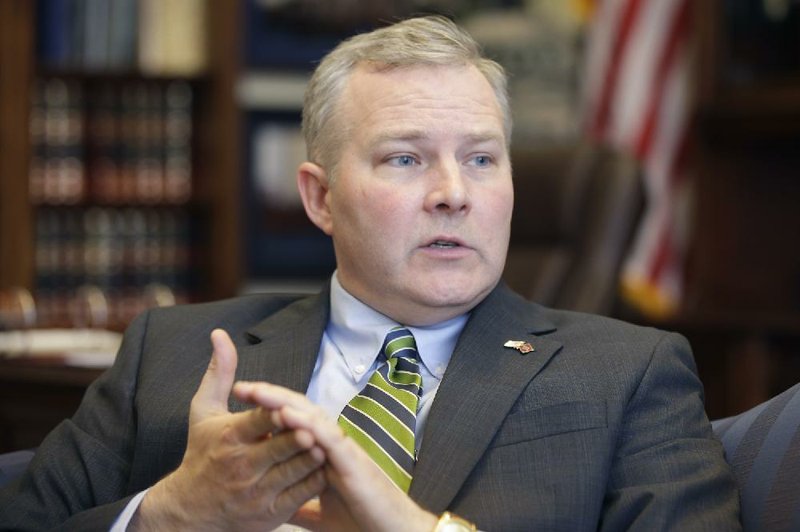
x,y
452,523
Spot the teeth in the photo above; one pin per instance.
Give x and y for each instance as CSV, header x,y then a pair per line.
x,y
443,244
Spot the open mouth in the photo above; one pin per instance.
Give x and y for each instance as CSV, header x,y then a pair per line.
x,y
443,244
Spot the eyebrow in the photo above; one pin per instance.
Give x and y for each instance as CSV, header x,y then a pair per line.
x,y
399,136
488,136
412,135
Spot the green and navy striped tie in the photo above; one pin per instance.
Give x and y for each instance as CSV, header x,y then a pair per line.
x,y
383,416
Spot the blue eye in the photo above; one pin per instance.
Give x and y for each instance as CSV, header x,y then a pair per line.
x,y
403,160
481,160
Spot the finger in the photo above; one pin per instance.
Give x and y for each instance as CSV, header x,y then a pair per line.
x,y
272,397
254,425
288,472
324,430
302,493
367,493
269,396
283,446
215,388
346,457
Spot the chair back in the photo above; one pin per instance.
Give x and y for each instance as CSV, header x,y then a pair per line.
x,y
13,464
763,447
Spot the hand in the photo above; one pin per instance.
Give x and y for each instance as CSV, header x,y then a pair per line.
x,y
360,495
238,472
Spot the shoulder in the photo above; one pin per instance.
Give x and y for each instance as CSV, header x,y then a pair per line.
x,y
623,357
602,330
599,346
236,315
576,328
257,304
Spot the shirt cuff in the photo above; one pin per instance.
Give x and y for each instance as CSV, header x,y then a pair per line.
x,y
124,518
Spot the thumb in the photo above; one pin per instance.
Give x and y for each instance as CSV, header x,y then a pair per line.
x,y
211,397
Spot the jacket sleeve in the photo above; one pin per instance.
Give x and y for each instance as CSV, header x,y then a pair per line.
x,y
669,471
78,479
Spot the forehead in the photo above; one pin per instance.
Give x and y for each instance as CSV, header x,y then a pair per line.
x,y
421,100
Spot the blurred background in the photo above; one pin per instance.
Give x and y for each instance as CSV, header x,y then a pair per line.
x,y
148,151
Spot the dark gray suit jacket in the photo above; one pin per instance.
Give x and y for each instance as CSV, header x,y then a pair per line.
x,y
602,426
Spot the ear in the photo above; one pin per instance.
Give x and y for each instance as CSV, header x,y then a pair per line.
x,y
312,181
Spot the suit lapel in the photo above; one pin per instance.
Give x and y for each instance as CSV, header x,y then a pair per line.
x,y
481,384
285,345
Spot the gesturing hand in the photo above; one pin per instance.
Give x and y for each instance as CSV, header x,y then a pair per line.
x,y
240,471
359,495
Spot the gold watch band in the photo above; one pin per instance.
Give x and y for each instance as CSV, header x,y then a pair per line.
x,y
449,522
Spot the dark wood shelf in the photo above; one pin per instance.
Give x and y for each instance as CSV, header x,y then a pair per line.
x,y
46,370
216,144
35,396
763,116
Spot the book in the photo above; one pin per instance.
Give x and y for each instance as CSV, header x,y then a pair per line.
x,y
171,39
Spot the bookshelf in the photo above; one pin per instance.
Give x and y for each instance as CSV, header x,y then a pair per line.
x,y
116,171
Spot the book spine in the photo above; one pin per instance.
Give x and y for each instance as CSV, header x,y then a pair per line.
x,y
53,40
57,173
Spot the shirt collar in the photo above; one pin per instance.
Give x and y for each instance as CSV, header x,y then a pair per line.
x,y
358,330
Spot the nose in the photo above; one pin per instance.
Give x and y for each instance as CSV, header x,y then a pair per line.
x,y
448,191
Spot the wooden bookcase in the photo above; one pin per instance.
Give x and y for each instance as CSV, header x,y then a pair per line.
x,y
216,133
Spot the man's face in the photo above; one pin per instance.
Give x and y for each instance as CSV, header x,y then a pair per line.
x,y
420,207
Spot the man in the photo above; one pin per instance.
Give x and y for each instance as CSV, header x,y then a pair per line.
x,y
527,418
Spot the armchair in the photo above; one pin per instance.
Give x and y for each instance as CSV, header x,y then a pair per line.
x,y
12,465
763,447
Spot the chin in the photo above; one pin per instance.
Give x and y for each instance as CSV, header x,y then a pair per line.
x,y
448,293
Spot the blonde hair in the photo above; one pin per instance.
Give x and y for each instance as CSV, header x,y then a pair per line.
x,y
430,40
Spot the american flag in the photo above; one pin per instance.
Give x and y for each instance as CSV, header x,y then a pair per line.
x,y
637,99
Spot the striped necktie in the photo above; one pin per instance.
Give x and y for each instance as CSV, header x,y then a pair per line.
x,y
383,416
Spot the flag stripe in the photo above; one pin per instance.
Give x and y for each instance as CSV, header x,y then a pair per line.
x,y
630,9
638,71
597,55
668,57
638,100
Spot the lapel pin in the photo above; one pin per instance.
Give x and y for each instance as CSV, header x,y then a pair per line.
x,y
519,345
